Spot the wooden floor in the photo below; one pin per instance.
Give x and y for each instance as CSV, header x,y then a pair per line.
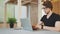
x,y
7,25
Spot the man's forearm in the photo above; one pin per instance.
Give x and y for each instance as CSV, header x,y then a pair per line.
x,y
51,28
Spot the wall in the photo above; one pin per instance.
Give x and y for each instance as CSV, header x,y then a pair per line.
x,y
39,10
34,14
56,7
10,10
1,10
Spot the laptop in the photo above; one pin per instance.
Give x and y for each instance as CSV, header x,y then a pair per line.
x,y
26,24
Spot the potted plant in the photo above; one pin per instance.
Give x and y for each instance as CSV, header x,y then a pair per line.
x,y
11,22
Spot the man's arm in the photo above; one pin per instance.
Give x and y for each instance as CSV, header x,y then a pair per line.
x,y
56,28
39,25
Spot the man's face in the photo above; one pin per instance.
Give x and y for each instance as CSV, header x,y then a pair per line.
x,y
46,10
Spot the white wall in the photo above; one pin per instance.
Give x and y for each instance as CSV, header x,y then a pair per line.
x,y
39,10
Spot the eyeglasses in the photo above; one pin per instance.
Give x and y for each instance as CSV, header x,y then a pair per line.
x,y
44,8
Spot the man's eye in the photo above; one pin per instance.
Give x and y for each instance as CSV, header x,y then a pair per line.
x,y
43,8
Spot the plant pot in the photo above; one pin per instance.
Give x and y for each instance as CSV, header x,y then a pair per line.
x,y
11,25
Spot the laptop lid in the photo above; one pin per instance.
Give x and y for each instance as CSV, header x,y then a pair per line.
x,y
26,24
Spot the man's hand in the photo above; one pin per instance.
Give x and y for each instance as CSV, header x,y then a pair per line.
x,y
35,27
38,26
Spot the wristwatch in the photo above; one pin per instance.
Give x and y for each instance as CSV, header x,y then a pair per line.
x,y
41,26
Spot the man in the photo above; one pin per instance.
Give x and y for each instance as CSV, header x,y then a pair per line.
x,y
50,21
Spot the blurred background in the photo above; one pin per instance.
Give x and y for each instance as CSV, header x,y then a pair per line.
x,y
22,9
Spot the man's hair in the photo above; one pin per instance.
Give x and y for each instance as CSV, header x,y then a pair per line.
x,y
48,4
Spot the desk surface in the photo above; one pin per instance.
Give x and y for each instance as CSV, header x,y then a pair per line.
x,y
13,31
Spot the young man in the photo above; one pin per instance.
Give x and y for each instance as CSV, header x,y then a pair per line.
x,y
51,20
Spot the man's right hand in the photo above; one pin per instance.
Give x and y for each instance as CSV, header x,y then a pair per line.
x,y
38,26
35,27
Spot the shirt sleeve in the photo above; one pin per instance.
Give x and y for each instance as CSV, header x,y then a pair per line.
x,y
57,18
43,18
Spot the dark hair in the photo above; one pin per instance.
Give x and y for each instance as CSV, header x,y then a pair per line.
x,y
48,4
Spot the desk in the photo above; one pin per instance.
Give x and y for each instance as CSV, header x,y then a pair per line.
x,y
13,31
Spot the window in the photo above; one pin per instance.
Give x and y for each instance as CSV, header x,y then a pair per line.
x,y
24,12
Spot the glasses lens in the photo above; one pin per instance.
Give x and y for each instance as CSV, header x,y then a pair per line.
x,y
43,8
